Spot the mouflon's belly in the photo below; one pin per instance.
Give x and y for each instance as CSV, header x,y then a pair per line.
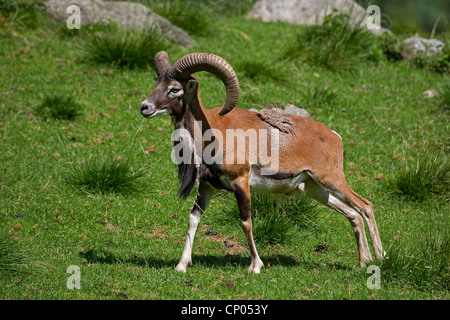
x,y
278,182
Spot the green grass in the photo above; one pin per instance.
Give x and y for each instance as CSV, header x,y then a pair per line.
x,y
110,175
319,97
260,71
128,243
23,14
130,49
58,107
213,8
444,95
277,218
337,44
425,179
424,267
194,17
391,45
13,258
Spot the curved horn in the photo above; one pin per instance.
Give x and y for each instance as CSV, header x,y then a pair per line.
x,y
162,62
216,65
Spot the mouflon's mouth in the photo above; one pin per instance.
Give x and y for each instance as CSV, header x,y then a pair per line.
x,y
148,115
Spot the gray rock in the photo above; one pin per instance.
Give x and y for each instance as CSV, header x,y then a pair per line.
x,y
296,111
414,45
308,12
288,109
126,14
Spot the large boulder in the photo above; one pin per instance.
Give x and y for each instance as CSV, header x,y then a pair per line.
x,y
127,14
308,12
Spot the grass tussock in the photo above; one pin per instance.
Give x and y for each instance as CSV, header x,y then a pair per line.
x,y
103,176
123,48
194,17
230,8
338,44
391,46
195,13
277,218
20,13
424,267
319,96
260,70
13,259
427,178
58,107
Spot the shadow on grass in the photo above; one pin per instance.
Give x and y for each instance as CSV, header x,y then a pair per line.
x,y
215,261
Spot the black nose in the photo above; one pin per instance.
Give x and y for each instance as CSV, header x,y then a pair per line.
x,y
144,106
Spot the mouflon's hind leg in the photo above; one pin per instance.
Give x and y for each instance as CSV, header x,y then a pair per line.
x,y
317,191
365,208
205,192
340,188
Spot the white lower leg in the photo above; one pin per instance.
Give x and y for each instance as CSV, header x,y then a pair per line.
x,y
363,246
357,224
314,190
375,236
205,193
186,257
256,263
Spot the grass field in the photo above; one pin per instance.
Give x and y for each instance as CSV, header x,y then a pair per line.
x,y
86,181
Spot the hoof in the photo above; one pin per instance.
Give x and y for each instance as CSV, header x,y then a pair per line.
x,y
180,268
363,263
256,266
